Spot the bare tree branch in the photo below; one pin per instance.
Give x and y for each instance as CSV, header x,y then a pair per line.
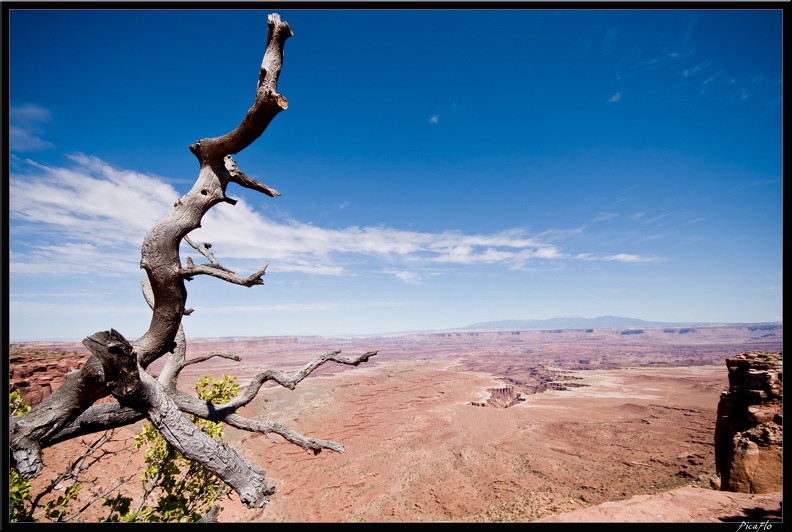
x,y
268,102
211,515
240,178
119,363
95,419
291,382
248,481
226,412
175,362
149,295
193,269
120,367
76,468
204,250
160,250
198,360
213,412
30,433
122,479
313,445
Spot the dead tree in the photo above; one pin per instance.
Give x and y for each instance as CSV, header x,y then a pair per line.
x,y
120,368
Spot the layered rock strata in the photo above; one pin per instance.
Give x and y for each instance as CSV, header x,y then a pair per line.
x,y
749,428
500,398
36,374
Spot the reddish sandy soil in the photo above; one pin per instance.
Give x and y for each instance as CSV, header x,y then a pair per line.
x,y
683,505
638,431
417,451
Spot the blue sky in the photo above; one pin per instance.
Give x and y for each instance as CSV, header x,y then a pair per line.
x,y
438,167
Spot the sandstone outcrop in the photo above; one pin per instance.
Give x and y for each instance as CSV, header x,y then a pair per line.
x,y
749,428
500,398
36,374
688,504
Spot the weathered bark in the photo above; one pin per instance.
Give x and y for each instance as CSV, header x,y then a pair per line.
x,y
248,481
160,250
30,433
121,368
97,418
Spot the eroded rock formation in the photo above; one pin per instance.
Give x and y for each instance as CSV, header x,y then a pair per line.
x,y
749,429
36,374
503,397
533,380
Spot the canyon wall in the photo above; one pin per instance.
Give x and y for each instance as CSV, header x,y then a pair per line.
x,y
749,428
503,397
36,374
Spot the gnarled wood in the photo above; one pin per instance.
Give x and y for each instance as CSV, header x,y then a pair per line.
x,y
30,433
121,368
247,480
160,250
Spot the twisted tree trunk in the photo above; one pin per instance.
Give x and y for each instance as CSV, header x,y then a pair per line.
x,y
120,368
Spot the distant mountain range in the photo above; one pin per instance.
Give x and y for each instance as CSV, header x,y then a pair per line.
x,y
576,322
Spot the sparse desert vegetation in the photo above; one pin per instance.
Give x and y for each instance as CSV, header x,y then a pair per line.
x,y
640,421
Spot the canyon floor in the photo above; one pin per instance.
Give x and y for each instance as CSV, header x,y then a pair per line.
x,y
594,419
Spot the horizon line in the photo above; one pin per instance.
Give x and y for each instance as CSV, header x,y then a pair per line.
x,y
467,328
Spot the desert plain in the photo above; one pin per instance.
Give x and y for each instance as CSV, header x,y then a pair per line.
x,y
485,426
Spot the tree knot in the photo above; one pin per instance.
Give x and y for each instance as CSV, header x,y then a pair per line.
x,y
119,363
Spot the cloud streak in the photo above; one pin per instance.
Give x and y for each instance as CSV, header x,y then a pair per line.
x,y
306,307
24,126
90,218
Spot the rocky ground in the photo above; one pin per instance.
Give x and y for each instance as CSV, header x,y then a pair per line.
x,y
683,505
434,457
632,442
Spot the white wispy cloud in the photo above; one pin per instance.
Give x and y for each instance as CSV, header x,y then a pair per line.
x,y
629,257
602,216
608,45
24,126
307,307
618,257
758,183
665,58
92,199
41,311
650,238
408,277
696,69
710,80
658,217
678,69
90,218
434,119
74,258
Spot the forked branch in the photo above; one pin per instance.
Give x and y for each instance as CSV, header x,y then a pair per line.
x,y
121,368
203,249
192,269
268,102
240,178
281,378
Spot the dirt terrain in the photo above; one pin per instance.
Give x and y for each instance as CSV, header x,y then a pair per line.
x,y
491,426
